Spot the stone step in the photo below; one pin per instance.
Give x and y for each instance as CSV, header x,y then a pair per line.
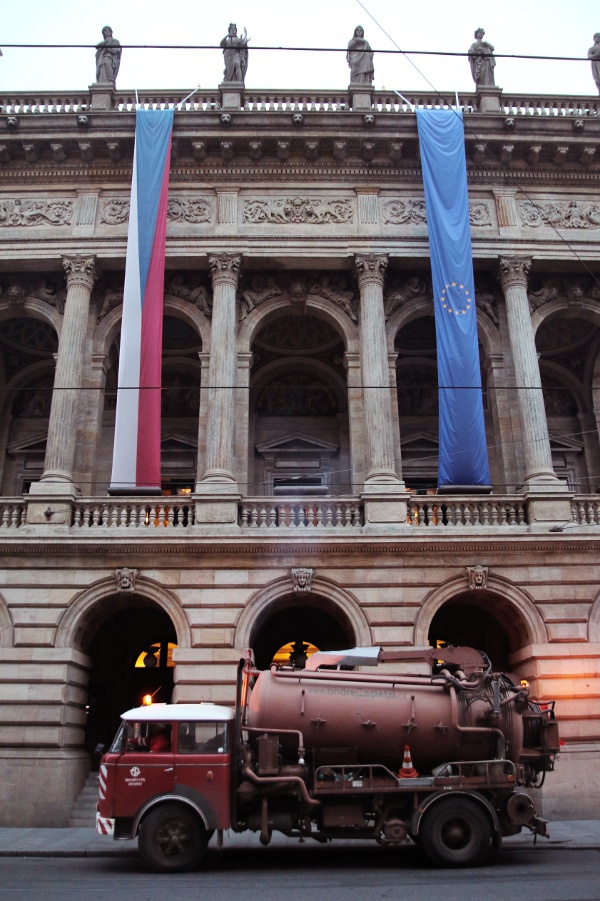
x,y
83,812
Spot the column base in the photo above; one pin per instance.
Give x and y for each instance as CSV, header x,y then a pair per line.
x,y
55,488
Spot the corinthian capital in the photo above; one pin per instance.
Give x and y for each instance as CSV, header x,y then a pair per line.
x,y
80,270
371,269
514,271
225,268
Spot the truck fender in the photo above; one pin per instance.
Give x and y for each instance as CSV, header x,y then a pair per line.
x,y
430,800
184,795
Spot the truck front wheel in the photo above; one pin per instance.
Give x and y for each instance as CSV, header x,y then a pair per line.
x,y
172,839
456,833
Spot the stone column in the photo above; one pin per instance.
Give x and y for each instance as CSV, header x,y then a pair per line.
x,y
534,427
375,371
62,427
222,372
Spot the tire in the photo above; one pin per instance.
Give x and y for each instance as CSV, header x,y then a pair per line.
x,y
456,833
172,839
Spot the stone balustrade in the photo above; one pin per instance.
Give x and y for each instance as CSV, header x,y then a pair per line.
x,y
384,102
128,513
586,510
438,511
307,513
12,513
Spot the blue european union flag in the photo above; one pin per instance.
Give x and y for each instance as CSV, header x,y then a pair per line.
x,y
463,452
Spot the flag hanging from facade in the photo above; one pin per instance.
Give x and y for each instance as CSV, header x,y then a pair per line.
x,y
136,454
463,452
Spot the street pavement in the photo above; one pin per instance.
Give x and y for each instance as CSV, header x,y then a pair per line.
x,y
84,842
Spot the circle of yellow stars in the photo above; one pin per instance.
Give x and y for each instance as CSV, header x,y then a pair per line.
x,y
445,299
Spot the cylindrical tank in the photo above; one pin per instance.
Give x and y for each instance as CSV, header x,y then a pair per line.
x,y
376,716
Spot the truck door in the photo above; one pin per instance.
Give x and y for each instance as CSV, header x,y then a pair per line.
x,y
145,769
203,763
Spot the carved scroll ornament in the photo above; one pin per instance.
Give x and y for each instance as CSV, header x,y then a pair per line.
x,y
196,210
568,214
35,212
297,210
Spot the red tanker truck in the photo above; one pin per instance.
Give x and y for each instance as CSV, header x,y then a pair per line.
x,y
333,752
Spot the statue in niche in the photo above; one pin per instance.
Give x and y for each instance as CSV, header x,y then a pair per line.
x,y
360,58
481,59
594,56
413,287
108,57
261,289
235,54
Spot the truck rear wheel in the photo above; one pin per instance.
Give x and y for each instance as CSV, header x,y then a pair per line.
x,y
456,833
172,839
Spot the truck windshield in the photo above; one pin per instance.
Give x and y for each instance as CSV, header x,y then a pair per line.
x,y
118,745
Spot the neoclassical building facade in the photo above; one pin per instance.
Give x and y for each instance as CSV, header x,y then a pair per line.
x,y
299,412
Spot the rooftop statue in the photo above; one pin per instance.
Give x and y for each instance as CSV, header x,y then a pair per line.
x,y
594,55
482,60
235,54
360,58
108,57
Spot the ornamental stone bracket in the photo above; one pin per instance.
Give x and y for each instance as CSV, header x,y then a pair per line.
x,y
126,578
302,578
477,576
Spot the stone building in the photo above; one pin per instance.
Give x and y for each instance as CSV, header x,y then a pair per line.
x,y
300,425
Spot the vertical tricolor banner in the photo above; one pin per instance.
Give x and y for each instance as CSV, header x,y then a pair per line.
x,y
136,455
463,457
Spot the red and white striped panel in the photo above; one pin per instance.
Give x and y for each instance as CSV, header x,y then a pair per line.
x,y
102,782
105,825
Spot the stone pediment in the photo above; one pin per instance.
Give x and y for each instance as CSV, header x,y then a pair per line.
x,y
177,442
420,440
560,443
31,445
296,443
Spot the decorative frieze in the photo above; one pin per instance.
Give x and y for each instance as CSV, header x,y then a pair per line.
x,y
195,210
412,212
565,214
297,210
35,212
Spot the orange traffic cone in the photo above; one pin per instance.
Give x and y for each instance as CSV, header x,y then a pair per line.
x,y
407,770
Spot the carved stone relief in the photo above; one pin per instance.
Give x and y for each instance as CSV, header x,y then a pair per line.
x,y
35,212
125,578
477,576
302,578
51,292
555,288
196,210
412,212
297,210
397,297
192,289
298,289
566,214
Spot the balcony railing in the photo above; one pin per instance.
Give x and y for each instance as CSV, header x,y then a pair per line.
x,y
133,514
12,512
266,513
585,511
439,511
526,105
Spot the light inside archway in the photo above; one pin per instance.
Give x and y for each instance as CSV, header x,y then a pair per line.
x,y
284,655
155,650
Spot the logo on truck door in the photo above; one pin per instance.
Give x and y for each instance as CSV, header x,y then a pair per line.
x,y
135,779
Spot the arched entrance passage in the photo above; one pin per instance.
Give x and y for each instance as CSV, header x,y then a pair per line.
x,y
130,653
482,620
300,621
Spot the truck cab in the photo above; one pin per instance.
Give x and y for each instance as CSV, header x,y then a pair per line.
x,y
167,778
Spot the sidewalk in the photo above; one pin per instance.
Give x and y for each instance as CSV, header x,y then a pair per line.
x,y
84,842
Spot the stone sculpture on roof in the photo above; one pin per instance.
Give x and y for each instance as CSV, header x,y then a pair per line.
x,y
481,59
360,58
108,57
235,54
594,55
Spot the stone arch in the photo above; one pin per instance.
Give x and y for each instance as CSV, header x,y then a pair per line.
x,y
321,307
266,600
503,600
487,332
32,308
586,309
7,632
94,605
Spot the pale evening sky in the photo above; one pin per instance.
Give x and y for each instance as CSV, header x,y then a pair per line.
x,y
540,27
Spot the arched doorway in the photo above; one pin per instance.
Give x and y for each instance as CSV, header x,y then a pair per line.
x,y
131,657
483,621
299,622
